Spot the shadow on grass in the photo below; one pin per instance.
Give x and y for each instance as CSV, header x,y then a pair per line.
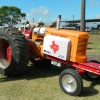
x,y
89,48
90,90
90,43
35,72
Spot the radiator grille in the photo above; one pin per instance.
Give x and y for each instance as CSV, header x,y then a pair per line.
x,y
82,46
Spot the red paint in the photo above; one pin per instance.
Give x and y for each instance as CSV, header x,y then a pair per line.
x,y
80,71
82,67
9,53
54,46
27,32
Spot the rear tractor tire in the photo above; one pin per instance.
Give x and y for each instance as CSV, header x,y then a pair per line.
x,y
14,52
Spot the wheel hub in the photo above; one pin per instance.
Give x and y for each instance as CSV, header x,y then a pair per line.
x,y
69,83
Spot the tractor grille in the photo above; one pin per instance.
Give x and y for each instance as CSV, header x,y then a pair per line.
x,y
82,46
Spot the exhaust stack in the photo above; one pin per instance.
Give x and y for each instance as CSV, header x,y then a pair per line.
x,y
58,22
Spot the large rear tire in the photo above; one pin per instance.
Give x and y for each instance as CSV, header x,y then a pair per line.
x,y
14,52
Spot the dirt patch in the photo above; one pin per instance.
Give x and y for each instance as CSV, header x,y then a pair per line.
x,y
93,57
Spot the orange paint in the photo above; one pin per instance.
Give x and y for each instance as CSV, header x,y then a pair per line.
x,y
79,41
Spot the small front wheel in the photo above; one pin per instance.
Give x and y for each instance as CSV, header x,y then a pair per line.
x,y
70,82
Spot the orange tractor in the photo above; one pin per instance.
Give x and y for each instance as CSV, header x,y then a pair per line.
x,y
45,47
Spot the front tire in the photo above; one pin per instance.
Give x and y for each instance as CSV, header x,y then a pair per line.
x,y
70,82
13,52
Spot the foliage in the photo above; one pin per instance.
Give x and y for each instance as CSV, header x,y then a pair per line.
x,y
72,25
41,23
11,15
27,22
54,24
1,24
98,26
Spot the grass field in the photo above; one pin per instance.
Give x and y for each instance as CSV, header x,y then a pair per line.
x,y
94,44
42,84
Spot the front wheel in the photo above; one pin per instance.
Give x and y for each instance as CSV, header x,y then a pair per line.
x,y
70,82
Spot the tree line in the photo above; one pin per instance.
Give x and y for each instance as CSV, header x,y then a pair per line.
x,y
11,15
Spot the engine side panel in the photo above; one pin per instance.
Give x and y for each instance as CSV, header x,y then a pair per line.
x,y
56,46
79,42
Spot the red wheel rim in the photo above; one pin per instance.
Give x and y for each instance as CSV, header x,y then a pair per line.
x,y
9,53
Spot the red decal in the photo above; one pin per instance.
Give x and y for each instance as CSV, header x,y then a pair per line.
x,y
54,46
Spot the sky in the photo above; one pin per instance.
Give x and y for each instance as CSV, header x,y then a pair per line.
x,y
47,11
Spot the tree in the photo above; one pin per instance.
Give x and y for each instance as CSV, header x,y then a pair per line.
x,y
24,23
1,24
41,23
11,15
54,24
98,26
27,22
72,25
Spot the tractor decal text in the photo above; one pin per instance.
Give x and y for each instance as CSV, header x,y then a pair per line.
x,y
46,51
54,46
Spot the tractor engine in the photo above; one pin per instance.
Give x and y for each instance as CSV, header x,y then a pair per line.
x,y
73,44
67,45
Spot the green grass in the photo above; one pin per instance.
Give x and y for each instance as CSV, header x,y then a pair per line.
x,y
42,83
94,44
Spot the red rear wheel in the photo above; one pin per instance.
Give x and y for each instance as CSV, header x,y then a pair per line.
x,y
5,60
9,53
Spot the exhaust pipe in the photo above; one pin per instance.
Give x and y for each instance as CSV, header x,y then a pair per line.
x,y
58,22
